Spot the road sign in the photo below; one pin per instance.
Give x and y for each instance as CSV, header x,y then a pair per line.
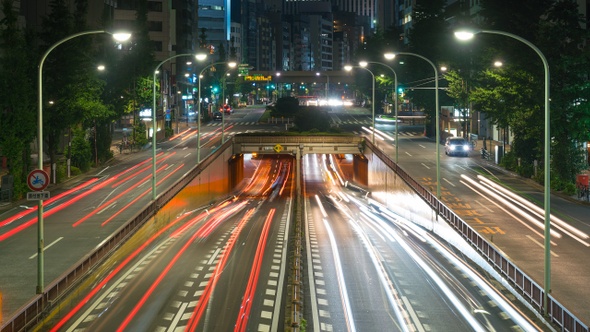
x,y
38,180
278,148
37,195
243,69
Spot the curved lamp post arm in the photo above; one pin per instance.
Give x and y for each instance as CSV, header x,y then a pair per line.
x,y
372,102
546,159
394,103
40,231
199,109
437,111
154,126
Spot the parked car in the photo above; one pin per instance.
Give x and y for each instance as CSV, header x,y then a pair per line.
x,y
226,109
457,146
217,116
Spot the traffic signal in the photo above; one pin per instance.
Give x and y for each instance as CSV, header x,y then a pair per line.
x,y
215,89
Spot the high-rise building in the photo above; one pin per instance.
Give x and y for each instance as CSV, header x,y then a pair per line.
x,y
215,21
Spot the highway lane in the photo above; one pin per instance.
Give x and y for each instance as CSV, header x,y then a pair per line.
x,y
218,269
370,270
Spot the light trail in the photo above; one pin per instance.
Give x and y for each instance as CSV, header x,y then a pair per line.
x,y
348,317
247,299
112,200
32,209
206,295
515,315
98,287
573,232
509,204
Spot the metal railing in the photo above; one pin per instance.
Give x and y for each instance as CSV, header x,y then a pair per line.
x,y
529,289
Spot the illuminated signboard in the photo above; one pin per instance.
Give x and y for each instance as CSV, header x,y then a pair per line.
x,y
257,78
145,113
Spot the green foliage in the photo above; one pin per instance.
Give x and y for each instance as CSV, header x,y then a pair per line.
x,y
169,132
17,97
81,149
570,189
312,119
285,106
140,134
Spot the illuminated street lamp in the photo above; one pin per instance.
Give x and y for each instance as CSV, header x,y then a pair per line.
x,y
467,35
121,36
200,57
394,100
226,75
349,68
318,74
231,64
390,56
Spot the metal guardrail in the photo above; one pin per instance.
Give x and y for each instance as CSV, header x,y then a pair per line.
x,y
529,289
30,314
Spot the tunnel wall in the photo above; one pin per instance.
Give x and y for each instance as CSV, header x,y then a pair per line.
x,y
389,189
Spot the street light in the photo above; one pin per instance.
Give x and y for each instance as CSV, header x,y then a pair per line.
x,y
467,35
277,81
327,83
394,100
199,57
390,56
226,75
120,36
349,68
231,64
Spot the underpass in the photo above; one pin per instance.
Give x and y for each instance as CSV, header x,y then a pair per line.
x,y
221,171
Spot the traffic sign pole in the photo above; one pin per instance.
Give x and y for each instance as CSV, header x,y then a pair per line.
x,y
38,180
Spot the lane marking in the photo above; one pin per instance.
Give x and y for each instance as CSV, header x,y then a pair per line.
x,y
483,206
423,164
449,182
48,246
541,245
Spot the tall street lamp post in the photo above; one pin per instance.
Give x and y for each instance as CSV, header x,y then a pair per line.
x,y
349,68
390,56
467,35
40,240
231,65
225,76
394,101
200,57
327,84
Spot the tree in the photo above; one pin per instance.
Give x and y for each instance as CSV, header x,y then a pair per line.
x,y
134,64
561,38
458,90
429,37
17,98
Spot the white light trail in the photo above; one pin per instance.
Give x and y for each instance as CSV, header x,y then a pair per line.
x,y
341,282
539,212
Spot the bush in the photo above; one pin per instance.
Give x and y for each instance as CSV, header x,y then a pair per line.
x,y
570,189
169,132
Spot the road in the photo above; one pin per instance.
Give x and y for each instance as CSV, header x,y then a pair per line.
x,y
507,210
370,270
92,207
83,212
217,269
